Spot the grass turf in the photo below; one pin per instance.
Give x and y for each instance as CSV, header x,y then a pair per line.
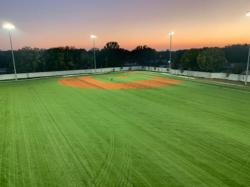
x,y
124,77
193,134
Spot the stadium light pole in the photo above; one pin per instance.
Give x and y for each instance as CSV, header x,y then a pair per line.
x,y
93,37
171,34
248,59
10,27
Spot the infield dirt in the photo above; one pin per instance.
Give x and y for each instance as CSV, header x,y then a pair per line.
x,y
90,82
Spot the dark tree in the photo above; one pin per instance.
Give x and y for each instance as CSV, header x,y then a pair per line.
x,y
188,61
5,62
211,59
28,59
236,53
111,46
112,55
144,55
177,58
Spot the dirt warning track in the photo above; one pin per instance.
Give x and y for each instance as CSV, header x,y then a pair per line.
x,y
89,82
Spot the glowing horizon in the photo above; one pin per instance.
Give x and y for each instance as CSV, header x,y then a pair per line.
x,y
62,23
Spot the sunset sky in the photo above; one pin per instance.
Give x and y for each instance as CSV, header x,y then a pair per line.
x,y
197,23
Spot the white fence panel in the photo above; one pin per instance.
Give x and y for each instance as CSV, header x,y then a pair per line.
x,y
223,76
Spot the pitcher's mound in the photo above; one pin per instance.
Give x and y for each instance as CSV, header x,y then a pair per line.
x,y
89,82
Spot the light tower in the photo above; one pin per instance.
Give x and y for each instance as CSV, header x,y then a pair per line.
x,y
10,27
248,59
93,37
171,34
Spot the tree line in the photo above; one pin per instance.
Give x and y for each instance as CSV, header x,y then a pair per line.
x,y
231,59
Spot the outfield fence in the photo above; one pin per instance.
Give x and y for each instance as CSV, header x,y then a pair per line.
x,y
65,73
222,76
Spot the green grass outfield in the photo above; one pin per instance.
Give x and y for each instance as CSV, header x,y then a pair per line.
x,y
194,134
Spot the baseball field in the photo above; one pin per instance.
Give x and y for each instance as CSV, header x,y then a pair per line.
x,y
124,129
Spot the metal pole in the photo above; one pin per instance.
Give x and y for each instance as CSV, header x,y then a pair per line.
x,y
94,53
170,52
13,57
247,70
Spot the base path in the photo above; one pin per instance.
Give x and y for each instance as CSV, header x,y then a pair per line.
x,y
89,82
